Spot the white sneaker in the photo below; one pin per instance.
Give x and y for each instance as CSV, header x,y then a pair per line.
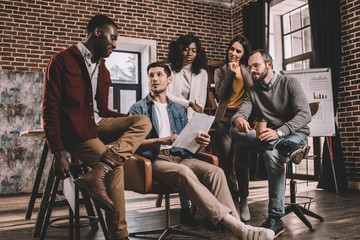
x,y
257,233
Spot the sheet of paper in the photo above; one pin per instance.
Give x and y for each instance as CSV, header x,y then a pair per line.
x,y
199,123
69,191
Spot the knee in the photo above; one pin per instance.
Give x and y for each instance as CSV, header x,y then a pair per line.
x,y
272,159
185,173
143,122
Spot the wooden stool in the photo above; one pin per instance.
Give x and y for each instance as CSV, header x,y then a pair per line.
x,y
76,170
51,189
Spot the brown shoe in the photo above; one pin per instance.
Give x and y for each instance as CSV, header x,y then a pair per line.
x,y
94,183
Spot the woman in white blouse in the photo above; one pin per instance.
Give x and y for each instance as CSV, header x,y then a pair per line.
x,y
187,61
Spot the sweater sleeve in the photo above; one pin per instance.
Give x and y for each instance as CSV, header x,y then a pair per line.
x,y
245,109
301,108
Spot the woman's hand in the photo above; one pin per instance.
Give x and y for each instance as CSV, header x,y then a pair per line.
x,y
196,107
232,66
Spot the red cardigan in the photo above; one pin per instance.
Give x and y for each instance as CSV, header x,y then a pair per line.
x,y
68,110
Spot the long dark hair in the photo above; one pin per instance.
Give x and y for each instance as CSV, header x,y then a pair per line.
x,y
177,46
247,49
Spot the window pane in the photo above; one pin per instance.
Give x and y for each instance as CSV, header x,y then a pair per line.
x,y
296,44
123,67
111,98
287,46
306,64
307,40
288,67
295,20
127,98
305,16
286,23
297,65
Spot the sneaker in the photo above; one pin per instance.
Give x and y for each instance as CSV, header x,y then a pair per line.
x,y
244,210
257,233
296,151
275,224
186,218
299,154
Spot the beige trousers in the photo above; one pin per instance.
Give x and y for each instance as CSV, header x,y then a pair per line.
x,y
125,134
203,183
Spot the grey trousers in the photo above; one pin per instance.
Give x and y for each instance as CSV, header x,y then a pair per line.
x,y
203,183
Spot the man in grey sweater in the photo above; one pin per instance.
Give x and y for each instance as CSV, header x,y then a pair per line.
x,y
281,101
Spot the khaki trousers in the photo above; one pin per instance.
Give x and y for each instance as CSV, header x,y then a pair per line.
x,y
203,183
125,134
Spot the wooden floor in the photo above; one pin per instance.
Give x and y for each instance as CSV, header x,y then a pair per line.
x,y
341,213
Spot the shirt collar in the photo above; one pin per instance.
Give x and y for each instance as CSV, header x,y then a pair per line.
x,y
84,51
271,82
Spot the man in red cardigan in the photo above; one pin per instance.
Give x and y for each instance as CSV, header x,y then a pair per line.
x,y
77,119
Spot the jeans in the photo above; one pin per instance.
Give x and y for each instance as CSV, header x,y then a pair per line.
x,y
275,160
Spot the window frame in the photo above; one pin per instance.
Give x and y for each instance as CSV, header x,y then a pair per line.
x,y
117,87
300,57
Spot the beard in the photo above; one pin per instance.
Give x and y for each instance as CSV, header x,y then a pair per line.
x,y
158,91
261,77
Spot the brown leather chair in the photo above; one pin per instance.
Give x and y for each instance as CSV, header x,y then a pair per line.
x,y
138,178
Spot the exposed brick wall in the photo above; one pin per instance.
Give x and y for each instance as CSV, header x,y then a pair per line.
x,y
349,91
33,30
236,13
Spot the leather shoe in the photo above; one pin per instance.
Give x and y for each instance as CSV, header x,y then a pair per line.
x,y
94,183
186,218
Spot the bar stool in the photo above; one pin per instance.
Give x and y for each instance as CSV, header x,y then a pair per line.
x,y
51,189
76,169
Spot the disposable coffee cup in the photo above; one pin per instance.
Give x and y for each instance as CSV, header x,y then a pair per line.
x,y
260,124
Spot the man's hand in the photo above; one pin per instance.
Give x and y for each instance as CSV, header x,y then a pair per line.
x,y
268,134
62,165
196,107
242,125
168,140
203,139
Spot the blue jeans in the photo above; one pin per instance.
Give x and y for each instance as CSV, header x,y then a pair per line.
x,y
275,164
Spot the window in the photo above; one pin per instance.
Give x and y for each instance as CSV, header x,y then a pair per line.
x,y
296,38
125,74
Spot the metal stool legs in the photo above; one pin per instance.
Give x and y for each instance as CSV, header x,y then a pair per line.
x,y
168,229
295,207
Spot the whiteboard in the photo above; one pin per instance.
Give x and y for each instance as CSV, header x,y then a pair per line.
x,y
317,86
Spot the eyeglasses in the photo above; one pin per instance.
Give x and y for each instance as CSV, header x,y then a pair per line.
x,y
255,65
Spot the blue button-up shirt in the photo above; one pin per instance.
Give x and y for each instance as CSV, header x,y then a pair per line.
x,y
177,117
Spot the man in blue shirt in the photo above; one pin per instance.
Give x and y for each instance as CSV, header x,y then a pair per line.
x,y
204,184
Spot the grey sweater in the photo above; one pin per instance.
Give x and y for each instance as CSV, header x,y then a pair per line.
x,y
283,105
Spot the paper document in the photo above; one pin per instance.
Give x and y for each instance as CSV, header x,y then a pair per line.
x,y
69,191
199,123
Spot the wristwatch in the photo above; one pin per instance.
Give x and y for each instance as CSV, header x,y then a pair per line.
x,y
280,133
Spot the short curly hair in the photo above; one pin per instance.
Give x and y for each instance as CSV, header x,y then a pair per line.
x,y
247,49
177,46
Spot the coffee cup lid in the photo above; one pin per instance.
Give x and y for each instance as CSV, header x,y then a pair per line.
x,y
261,120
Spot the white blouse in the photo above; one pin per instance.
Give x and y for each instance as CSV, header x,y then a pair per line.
x,y
187,87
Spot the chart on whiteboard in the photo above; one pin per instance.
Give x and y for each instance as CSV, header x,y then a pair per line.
x,y
318,88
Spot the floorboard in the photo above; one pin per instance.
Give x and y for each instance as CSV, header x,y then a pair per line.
x,y
341,213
